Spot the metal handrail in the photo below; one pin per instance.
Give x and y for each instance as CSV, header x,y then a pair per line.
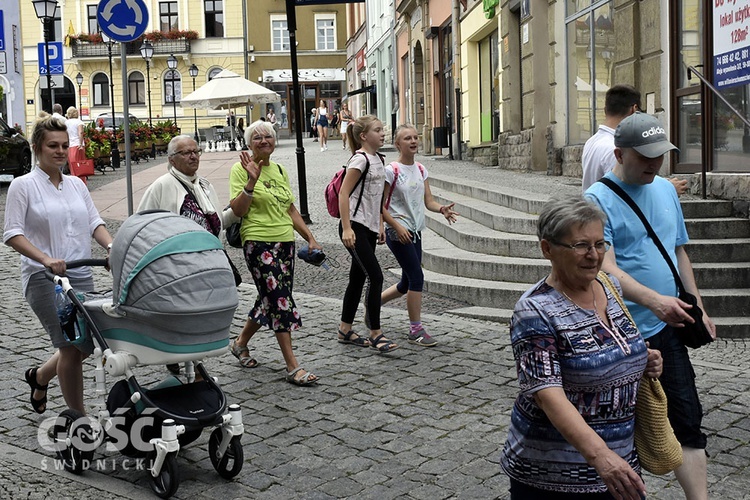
x,y
708,85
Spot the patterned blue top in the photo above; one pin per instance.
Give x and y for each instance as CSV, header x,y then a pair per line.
x,y
558,344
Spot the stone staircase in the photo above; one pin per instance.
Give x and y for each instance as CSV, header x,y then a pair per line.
x,y
491,256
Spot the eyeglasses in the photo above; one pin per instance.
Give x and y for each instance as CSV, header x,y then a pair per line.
x,y
259,138
582,248
188,153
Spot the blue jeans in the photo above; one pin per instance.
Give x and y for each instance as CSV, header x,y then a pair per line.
x,y
409,257
678,380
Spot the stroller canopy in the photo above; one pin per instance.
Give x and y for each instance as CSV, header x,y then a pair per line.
x,y
172,275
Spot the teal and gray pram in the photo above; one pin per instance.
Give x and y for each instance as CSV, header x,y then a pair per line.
x,y
173,300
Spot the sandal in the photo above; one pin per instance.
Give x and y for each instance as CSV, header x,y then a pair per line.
x,y
302,381
382,344
243,355
346,338
39,405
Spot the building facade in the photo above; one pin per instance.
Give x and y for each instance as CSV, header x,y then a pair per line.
x,y
12,107
209,34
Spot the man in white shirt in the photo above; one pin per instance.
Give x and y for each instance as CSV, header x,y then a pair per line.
x,y
598,153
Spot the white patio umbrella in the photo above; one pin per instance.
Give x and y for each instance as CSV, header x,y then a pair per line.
x,y
228,90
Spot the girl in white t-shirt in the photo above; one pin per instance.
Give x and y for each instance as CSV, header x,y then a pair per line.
x,y
407,194
361,228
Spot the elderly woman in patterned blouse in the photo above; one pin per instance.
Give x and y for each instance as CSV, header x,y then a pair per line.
x,y
579,361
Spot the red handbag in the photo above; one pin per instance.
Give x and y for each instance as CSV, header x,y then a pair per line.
x,y
82,168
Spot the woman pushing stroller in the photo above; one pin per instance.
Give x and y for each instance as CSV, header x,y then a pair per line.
x,y
50,218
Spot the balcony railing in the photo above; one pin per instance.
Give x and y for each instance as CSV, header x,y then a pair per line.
x,y
165,47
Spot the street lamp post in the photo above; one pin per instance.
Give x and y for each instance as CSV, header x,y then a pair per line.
x,y
147,52
79,81
172,64
193,70
115,151
45,12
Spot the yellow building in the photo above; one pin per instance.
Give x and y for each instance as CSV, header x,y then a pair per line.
x,y
207,33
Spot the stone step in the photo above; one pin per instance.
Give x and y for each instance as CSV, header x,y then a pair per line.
x,y
478,238
718,228
710,275
488,214
516,199
696,208
732,327
485,293
726,301
724,250
501,316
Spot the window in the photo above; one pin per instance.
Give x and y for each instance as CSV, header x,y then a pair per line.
x,y
591,49
172,86
325,32
100,83
136,88
214,10
212,73
55,27
93,24
279,33
168,16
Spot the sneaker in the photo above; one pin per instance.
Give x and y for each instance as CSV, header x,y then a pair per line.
x,y
421,337
322,149
325,147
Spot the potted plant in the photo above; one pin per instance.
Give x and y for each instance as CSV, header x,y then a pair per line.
x,y
98,142
163,133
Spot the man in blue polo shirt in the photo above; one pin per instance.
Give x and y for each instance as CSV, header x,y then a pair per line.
x,y
647,282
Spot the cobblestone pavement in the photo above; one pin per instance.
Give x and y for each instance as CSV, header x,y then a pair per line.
x,y
417,423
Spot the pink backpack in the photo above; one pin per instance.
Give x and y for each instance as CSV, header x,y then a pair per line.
x,y
395,178
334,187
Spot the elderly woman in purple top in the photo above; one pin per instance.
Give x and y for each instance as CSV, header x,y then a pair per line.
x,y
579,361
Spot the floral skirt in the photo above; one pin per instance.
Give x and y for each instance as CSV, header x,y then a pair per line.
x,y
272,267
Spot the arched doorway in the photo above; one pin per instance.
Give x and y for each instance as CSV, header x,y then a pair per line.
x,y
65,96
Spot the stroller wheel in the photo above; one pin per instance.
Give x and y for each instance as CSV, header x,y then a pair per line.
x,y
166,483
231,463
74,440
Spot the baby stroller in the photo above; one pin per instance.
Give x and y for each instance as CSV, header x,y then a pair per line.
x,y
173,301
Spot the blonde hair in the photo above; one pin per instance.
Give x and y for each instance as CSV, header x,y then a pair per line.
x,y
361,125
400,129
72,112
41,127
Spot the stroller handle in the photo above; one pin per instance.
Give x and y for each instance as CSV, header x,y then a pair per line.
x,y
78,263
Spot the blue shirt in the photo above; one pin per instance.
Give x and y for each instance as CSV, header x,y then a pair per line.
x,y
635,251
558,344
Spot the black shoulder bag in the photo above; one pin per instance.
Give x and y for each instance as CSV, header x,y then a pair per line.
x,y
692,334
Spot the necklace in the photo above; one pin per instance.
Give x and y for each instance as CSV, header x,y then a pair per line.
x,y
613,332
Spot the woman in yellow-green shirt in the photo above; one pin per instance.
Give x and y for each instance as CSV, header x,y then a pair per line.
x,y
260,189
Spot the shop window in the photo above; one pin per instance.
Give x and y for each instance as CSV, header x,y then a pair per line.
x,y
591,49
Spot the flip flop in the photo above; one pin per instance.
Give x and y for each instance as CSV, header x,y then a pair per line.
x,y
39,405
243,355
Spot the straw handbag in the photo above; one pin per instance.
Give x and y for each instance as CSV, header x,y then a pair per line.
x,y
658,449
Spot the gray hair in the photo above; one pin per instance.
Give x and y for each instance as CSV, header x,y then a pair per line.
x,y
261,127
559,216
173,143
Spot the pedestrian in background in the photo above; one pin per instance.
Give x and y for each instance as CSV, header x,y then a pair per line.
x,y
76,145
407,194
321,121
346,119
50,220
361,228
262,195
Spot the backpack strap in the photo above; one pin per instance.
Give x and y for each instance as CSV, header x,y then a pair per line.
x,y
393,184
361,179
